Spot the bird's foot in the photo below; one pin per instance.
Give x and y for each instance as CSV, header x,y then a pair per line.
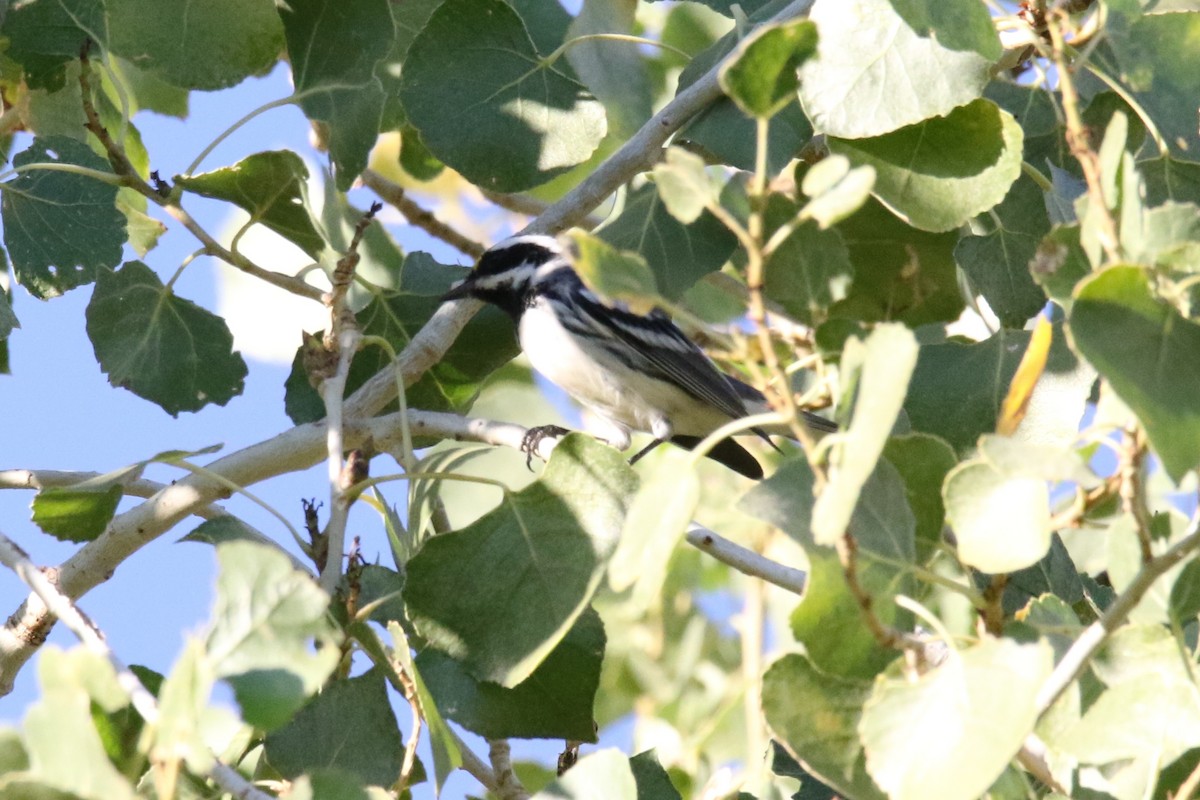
x,y
533,440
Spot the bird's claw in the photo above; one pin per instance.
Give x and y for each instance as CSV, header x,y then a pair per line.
x,y
533,437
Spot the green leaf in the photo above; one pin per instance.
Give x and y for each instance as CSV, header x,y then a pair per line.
x,y
682,184
46,34
214,45
349,726
938,173
487,343
151,93
554,702
529,120
335,49
761,74
816,717
415,158
884,529
447,755
905,720
144,230
1160,65
615,72
220,530
161,347
679,254
1170,179
998,262
183,701
957,388
620,276
1116,320
1054,575
810,270
1060,263
1185,594
899,273
881,366
74,513
535,562
604,774
923,461
1141,668
653,782
65,750
882,65
723,134
269,186
837,191
1001,520
328,784
60,228
266,617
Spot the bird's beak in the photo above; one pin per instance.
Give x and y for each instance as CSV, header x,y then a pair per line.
x,y
463,289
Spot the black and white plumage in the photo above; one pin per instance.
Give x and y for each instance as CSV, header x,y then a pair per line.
x,y
636,372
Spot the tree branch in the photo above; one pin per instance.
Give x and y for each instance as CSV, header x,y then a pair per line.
x,y
1076,659
61,606
394,195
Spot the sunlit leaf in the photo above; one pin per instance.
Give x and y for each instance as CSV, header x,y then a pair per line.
x,y
75,514
602,774
938,173
881,65
984,694
761,75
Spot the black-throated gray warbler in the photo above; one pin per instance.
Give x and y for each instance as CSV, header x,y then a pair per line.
x,y
636,372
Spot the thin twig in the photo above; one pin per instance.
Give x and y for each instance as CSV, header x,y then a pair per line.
x,y
61,607
1077,136
130,177
343,339
393,194
1077,657
1133,495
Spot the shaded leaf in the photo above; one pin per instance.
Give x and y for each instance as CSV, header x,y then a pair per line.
x,y
61,229
554,702
219,530
810,270
1185,594
617,74
1115,321
899,273
349,726
46,34
679,254
270,187
161,347
723,134
882,65
334,49
998,262
682,184
213,45
938,173
652,780
535,561
529,120
922,461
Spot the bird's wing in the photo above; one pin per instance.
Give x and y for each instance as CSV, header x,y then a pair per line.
x,y
667,353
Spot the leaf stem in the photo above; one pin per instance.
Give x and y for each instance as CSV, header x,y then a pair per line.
x,y
613,37
225,134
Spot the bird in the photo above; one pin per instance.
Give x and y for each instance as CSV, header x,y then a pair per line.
x,y
636,372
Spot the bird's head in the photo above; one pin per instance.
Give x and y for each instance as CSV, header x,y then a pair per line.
x,y
508,272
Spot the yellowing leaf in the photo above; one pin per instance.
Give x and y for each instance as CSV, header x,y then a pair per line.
x,y
1033,363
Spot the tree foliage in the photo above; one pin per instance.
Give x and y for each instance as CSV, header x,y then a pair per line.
x,y
975,228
